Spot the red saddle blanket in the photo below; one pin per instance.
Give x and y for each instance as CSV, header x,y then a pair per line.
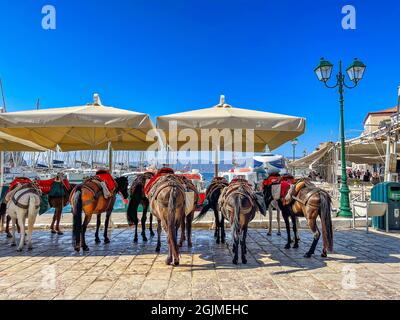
x,y
108,179
46,185
21,180
285,185
285,181
160,173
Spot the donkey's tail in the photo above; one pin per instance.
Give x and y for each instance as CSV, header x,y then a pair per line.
x,y
77,217
131,213
236,218
3,210
326,220
32,213
172,230
203,211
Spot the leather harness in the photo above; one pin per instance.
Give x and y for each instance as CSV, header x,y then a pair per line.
x,y
96,194
307,198
169,180
24,192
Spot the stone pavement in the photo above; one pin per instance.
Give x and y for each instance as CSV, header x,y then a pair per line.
x,y
364,266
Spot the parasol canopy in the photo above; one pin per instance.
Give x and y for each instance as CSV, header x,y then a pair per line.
x,y
269,128
89,127
10,143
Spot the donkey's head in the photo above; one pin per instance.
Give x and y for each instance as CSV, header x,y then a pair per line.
x,y
123,184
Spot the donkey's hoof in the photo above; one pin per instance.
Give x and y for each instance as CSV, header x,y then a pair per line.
x,y
152,234
19,250
235,261
269,234
176,263
30,248
9,235
244,260
222,241
13,244
158,249
135,239
77,248
324,254
97,240
180,244
144,238
217,241
287,246
190,244
53,231
278,233
308,255
296,245
168,261
60,233
85,248
107,240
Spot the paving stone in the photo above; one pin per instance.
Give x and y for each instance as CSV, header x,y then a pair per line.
x,y
363,266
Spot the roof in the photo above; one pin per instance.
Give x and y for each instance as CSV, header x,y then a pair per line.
x,y
388,111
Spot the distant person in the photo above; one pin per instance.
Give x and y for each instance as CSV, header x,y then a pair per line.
x,y
367,176
375,178
358,174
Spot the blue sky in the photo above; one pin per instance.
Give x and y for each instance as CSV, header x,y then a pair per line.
x,y
164,56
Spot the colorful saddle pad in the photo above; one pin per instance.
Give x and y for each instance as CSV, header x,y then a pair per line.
x,y
152,181
105,176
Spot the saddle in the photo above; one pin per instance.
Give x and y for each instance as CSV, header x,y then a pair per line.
x,y
163,182
100,184
49,186
105,176
304,184
153,180
191,194
256,198
22,189
216,183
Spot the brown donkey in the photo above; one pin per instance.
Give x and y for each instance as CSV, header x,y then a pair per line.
x,y
304,199
89,197
238,205
167,203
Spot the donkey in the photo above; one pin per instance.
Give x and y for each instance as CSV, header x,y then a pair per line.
x,y
213,192
89,198
138,197
23,202
238,205
304,199
167,203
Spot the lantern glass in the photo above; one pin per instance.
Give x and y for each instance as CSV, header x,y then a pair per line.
x,y
324,70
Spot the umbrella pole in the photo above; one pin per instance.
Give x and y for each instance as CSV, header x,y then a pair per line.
x,y
216,164
110,157
1,170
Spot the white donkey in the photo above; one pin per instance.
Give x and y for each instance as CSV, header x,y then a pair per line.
x,y
23,202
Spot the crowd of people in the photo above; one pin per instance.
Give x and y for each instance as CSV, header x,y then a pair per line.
x,y
359,175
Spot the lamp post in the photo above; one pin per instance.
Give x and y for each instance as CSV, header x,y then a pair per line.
x,y
294,144
355,72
